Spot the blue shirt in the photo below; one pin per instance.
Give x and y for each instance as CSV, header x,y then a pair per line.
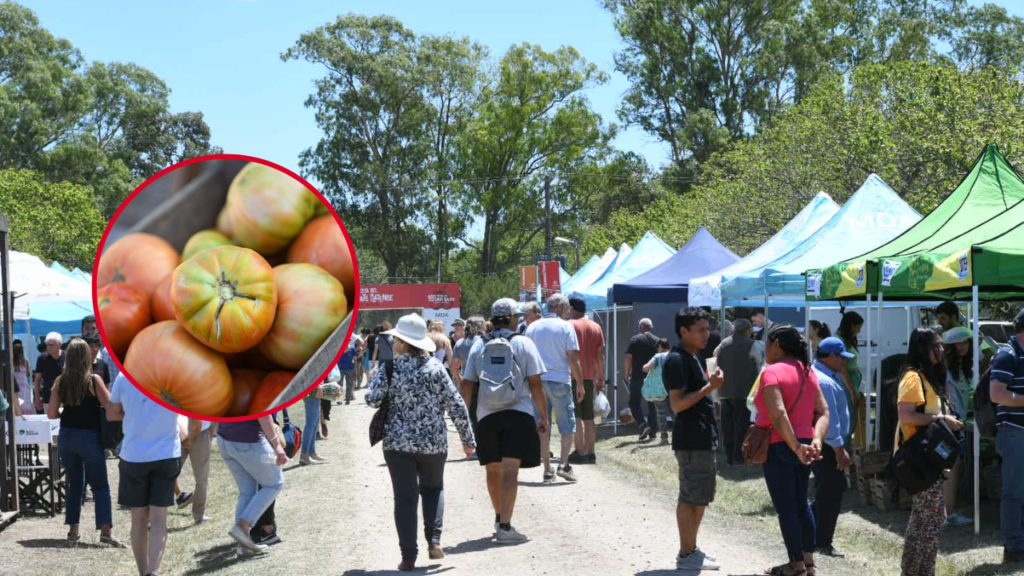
x,y
554,337
150,430
347,361
1008,368
838,408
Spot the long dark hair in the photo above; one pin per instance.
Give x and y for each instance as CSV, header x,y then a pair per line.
x,y
845,331
74,381
821,329
960,365
792,343
922,343
19,355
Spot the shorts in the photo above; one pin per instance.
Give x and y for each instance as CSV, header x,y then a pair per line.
x,y
560,403
145,484
585,409
508,434
698,476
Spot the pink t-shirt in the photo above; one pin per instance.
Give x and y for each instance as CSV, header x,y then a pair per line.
x,y
787,376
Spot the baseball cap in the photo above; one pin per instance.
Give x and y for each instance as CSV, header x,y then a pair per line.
x,y
578,304
459,322
834,345
957,335
504,307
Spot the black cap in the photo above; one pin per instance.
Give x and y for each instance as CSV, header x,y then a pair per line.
x,y
578,304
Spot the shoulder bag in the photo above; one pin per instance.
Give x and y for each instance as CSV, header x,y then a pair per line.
x,y
923,458
381,416
758,440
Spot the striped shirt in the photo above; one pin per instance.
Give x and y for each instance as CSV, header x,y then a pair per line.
x,y
1008,368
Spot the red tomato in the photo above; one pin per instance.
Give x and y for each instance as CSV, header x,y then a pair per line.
x,y
244,383
225,297
224,223
322,244
201,241
175,367
266,208
254,359
311,304
124,312
268,390
162,309
142,260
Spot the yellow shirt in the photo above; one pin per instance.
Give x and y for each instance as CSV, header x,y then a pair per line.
x,y
911,391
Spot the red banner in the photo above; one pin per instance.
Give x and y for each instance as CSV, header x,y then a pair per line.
x,y
549,277
385,296
528,278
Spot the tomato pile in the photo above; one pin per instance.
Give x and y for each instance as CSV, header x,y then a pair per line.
x,y
223,327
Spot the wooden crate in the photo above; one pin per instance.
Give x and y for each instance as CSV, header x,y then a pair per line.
x,y
869,463
862,485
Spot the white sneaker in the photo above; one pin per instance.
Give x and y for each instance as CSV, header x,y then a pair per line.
x,y
696,561
245,540
958,519
205,518
510,536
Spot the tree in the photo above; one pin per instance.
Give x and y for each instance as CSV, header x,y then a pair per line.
x,y
55,221
986,36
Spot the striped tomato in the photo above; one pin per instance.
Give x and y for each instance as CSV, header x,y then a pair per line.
x,y
266,209
142,260
269,389
311,304
322,244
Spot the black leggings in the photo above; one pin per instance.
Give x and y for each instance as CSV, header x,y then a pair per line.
x,y
413,476
325,409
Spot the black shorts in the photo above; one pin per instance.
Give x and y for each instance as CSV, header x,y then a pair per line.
x,y
508,434
145,484
584,409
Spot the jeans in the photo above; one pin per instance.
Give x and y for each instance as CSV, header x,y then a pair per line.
x,y
84,461
413,476
560,403
636,402
311,426
735,422
787,479
256,473
1010,444
829,486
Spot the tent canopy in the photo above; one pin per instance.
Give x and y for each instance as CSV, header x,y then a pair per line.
x,y
648,253
33,283
669,280
874,215
707,290
590,271
579,288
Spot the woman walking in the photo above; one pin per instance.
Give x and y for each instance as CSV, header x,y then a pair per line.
x,y
255,462
384,350
82,395
793,406
419,392
311,428
22,400
442,344
923,399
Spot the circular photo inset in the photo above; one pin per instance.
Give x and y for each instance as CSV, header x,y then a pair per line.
x,y
224,287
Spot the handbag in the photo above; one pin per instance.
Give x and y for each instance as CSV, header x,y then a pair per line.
x,y
758,440
381,416
291,436
923,458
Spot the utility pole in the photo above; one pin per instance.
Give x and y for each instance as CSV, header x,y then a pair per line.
x,y
547,216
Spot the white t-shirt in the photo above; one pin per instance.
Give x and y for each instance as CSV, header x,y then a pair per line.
x,y
554,337
150,430
526,356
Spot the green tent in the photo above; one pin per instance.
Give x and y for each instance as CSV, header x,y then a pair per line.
x,y
968,239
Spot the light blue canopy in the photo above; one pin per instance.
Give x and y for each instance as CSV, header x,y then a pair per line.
x,y
649,252
590,271
707,290
580,287
873,216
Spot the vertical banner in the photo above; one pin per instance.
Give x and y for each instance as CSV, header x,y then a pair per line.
x,y
527,283
549,279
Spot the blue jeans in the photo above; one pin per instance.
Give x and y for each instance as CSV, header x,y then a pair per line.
x,y
84,461
787,479
256,473
560,403
1010,444
312,425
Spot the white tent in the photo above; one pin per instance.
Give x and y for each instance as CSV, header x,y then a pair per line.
x,y
33,282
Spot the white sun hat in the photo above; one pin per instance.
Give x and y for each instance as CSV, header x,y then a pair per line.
x,y
412,330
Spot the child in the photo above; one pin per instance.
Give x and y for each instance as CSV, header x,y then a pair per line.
x,y
654,388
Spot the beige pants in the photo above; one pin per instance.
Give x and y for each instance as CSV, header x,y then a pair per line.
x,y
199,454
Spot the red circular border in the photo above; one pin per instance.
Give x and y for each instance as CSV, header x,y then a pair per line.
x,y
353,306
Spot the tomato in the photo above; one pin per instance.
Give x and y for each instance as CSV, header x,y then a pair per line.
x,y
142,260
266,208
253,358
124,312
225,297
223,223
268,390
321,209
201,241
244,383
161,305
175,367
322,243
311,304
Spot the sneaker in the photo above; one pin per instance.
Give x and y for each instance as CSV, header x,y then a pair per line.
x,y
304,460
184,499
696,561
549,476
567,473
262,537
244,540
591,458
958,519
204,518
576,458
643,433
318,458
708,556
243,551
510,536
830,551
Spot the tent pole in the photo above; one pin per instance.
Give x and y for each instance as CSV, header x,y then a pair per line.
x,y
615,363
867,377
876,383
767,323
976,314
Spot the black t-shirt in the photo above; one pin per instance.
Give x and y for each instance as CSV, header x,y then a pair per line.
x,y
371,343
99,368
642,347
50,368
696,428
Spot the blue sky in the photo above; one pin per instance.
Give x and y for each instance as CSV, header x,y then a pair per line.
x,y
221,57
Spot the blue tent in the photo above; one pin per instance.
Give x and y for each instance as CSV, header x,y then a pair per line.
x,y
649,252
669,281
592,299
707,290
590,271
873,216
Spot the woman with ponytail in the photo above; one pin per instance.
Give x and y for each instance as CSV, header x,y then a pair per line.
x,y
791,403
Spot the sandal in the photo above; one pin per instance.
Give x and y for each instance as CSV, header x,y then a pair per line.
x,y
73,539
780,570
109,540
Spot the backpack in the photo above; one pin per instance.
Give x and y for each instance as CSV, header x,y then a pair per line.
x,y
653,389
984,408
922,458
499,373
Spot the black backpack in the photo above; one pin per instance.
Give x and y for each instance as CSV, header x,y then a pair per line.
x,y
922,458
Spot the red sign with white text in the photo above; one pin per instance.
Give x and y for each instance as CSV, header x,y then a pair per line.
x,y
549,277
384,296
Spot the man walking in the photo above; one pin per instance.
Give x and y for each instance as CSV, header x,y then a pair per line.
x,y
695,437
347,366
556,341
830,471
531,313
591,341
1008,394
48,367
150,463
741,362
507,437
196,448
641,349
